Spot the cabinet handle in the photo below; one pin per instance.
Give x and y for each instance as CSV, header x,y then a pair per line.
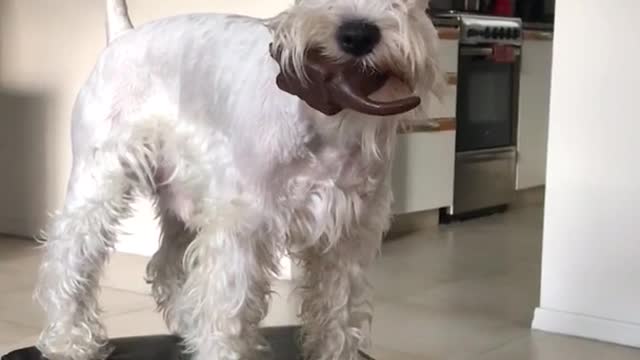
x,y
546,36
432,125
538,35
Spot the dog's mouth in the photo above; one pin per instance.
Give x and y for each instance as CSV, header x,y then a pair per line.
x,y
331,87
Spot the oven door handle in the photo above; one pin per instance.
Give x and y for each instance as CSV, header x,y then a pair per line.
x,y
488,155
483,51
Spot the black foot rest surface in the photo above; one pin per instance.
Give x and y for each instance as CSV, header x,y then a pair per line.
x,y
283,340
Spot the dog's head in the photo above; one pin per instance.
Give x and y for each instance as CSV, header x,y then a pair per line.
x,y
391,37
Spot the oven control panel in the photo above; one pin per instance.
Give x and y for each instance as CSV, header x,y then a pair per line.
x,y
490,30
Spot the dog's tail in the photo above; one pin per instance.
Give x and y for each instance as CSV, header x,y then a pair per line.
x,y
118,21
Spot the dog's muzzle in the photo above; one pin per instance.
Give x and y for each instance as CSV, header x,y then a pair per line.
x,y
332,87
358,37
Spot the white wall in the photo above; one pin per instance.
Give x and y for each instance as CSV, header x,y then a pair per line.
x,y
47,49
591,266
533,113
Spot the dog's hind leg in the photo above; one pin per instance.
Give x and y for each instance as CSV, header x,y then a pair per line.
x,y
165,271
79,240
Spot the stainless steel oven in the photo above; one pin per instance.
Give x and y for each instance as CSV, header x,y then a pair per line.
x,y
536,11
467,6
486,114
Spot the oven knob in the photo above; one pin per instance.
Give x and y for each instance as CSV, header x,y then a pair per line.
x,y
509,33
487,33
502,32
494,33
516,33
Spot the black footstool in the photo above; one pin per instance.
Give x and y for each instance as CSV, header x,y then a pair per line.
x,y
283,342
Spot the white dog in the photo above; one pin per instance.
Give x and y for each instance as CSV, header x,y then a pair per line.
x,y
186,110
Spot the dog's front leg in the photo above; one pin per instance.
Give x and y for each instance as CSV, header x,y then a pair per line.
x,y
228,270
336,297
337,301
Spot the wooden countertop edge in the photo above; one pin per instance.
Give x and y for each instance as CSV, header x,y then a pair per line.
x,y
538,35
449,33
452,78
443,124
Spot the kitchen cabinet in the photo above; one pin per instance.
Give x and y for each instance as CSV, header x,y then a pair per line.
x,y
448,55
533,121
422,173
445,107
25,136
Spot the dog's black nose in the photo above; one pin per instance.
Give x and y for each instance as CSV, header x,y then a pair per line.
x,y
358,37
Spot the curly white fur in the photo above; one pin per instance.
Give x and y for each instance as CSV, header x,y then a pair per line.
x,y
186,110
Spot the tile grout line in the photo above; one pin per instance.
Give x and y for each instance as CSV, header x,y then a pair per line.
x,y
132,292
26,326
111,315
505,344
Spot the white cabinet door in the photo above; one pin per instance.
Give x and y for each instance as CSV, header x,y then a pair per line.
x,y
448,58
24,175
422,175
533,122
448,55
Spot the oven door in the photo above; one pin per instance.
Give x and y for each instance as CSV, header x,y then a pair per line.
x,y
486,114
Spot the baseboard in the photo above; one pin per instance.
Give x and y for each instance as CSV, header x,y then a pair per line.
x,y
402,224
21,227
529,197
584,326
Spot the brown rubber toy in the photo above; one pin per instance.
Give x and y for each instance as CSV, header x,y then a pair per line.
x,y
333,87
